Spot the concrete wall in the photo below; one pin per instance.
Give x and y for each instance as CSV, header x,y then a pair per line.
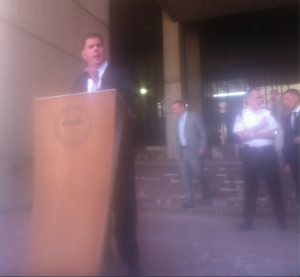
x,y
173,76
39,57
193,71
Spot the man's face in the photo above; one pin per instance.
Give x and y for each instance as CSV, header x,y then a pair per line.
x,y
255,100
178,110
94,52
291,101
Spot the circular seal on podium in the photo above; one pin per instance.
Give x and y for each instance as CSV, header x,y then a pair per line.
x,y
72,126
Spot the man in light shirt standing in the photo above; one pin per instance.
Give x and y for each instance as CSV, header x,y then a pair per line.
x,y
256,128
191,142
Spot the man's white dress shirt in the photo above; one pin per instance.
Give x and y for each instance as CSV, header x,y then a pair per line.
x,y
95,87
248,119
181,126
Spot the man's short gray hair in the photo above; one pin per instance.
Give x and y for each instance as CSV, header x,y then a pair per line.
x,y
292,91
179,102
249,92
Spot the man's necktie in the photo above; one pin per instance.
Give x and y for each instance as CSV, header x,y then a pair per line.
x,y
94,74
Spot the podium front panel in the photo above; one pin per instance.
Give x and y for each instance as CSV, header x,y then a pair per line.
x,y
74,173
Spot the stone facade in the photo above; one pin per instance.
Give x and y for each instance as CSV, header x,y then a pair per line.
x,y
39,57
173,75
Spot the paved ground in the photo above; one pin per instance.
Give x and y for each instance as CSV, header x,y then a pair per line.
x,y
14,229
193,246
183,245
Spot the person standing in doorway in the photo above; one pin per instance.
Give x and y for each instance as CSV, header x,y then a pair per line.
x,y
256,129
191,142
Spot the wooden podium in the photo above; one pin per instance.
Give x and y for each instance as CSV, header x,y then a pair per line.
x,y
77,140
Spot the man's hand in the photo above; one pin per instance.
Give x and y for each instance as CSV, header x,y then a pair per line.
x,y
252,132
287,169
201,151
270,134
297,140
244,135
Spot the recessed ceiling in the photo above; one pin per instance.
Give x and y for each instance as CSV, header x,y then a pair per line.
x,y
194,10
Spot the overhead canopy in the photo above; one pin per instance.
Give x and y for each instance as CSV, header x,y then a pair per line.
x,y
194,10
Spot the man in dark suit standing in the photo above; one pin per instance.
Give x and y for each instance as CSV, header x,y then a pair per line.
x,y
100,76
292,135
191,142
279,110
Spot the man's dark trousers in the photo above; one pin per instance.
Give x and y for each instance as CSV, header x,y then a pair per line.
x,y
262,160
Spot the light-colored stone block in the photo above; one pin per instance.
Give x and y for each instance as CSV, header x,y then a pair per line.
x,y
46,71
15,183
66,22
59,24
193,72
172,93
9,10
99,8
31,66
9,73
31,15
171,50
172,76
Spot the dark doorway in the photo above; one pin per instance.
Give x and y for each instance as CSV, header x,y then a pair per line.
x,y
257,49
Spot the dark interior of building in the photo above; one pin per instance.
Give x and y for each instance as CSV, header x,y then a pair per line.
x,y
239,49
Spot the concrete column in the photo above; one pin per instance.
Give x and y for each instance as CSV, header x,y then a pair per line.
x,y
193,71
172,76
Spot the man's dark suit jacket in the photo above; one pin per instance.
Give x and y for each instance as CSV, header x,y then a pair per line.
x,y
113,77
124,196
290,149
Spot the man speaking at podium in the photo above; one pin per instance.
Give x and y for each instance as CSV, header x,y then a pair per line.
x,y
100,75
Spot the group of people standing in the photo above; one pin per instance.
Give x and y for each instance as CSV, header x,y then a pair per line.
x,y
256,128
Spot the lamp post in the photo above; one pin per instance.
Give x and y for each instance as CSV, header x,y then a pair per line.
x,y
143,92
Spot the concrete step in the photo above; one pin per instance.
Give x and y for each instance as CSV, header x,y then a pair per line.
x,y
207,210
149,190
159,188
231,202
